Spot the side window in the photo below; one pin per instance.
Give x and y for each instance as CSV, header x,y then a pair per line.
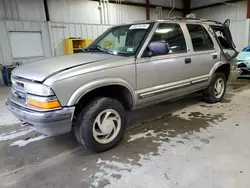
x,y
172,35
200,38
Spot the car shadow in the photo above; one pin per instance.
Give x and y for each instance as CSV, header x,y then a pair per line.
x,y
138,117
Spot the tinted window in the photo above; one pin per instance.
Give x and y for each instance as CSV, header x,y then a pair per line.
x,y
200,38
222,37
173,36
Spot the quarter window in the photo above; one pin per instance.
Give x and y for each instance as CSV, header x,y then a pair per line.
x,y
173,36
200,38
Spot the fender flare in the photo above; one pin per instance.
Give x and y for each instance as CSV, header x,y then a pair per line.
x,y
215,67
92,85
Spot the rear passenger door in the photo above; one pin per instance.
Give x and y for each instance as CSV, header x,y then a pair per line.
x,y
203,53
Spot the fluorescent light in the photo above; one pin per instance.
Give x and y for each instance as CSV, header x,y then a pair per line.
x,y
163,30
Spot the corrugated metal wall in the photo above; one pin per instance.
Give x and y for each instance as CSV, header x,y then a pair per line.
x,y
233,11
236,12
5,48
200,3
75,11
240,32
61,31
169,3
25,10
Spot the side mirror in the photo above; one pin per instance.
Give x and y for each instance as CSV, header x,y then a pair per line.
x,y
158,48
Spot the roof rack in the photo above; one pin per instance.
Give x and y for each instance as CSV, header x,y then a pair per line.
x,y
195,19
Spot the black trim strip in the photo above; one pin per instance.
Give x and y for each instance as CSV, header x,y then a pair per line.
x,y
167,89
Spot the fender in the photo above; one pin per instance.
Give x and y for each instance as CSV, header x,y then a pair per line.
x,y
90,86
215,67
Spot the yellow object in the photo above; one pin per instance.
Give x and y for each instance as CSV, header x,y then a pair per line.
x,y
109,44
45,105
72,46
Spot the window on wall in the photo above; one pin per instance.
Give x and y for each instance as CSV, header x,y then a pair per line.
x,y
200,38
173,36
26,44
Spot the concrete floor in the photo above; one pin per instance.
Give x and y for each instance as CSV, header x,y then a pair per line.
x,y
181,144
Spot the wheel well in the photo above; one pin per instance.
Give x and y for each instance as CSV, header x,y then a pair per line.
x,y
225,69
118,92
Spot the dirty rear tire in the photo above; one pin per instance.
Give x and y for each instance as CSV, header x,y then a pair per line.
x,y
209,93
85,121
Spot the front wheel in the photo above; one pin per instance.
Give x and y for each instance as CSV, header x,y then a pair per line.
x,y
217,88
101,125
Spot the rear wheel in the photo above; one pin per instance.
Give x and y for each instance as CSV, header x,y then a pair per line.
x,y
101,125
217,88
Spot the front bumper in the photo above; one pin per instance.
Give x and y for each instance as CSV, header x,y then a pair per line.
x,y
245,69
49,123
245,73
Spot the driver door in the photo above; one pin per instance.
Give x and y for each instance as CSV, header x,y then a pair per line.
x,y
162,77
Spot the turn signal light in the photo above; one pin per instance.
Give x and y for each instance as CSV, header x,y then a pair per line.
x,y
45,105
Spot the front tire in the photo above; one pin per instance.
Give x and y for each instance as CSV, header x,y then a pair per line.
x,y
101,125
217,88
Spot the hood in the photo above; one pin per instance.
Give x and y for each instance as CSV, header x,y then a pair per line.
x,y
244,56
42,69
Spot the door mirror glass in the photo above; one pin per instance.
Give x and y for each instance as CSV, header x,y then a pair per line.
x,y
227,23
158,48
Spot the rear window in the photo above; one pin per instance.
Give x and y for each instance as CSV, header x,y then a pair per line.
x,y
200,38
224,37
225,40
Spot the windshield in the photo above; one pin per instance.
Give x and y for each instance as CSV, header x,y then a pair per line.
x,y
121,40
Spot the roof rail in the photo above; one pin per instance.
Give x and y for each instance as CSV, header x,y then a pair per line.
x,y
195,19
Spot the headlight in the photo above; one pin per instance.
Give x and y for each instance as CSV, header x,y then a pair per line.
x,y
43,102
35,95
32,88
38,89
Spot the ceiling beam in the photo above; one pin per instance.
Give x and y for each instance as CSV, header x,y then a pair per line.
x,y
186,7
215,4
46,9
147,10
248,9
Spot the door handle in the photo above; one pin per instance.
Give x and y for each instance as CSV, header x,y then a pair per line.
x,y
215,56
188,60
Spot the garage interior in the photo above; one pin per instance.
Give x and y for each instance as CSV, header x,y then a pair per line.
x,y
177,144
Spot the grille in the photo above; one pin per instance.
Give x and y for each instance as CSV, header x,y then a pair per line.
x,y
18,93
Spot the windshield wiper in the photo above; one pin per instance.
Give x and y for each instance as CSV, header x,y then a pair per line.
x,y
100,49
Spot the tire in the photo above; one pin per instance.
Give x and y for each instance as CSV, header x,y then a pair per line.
x,y
210,94
99,117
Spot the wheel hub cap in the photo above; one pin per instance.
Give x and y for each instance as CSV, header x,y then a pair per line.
x,y
219,87
106,126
